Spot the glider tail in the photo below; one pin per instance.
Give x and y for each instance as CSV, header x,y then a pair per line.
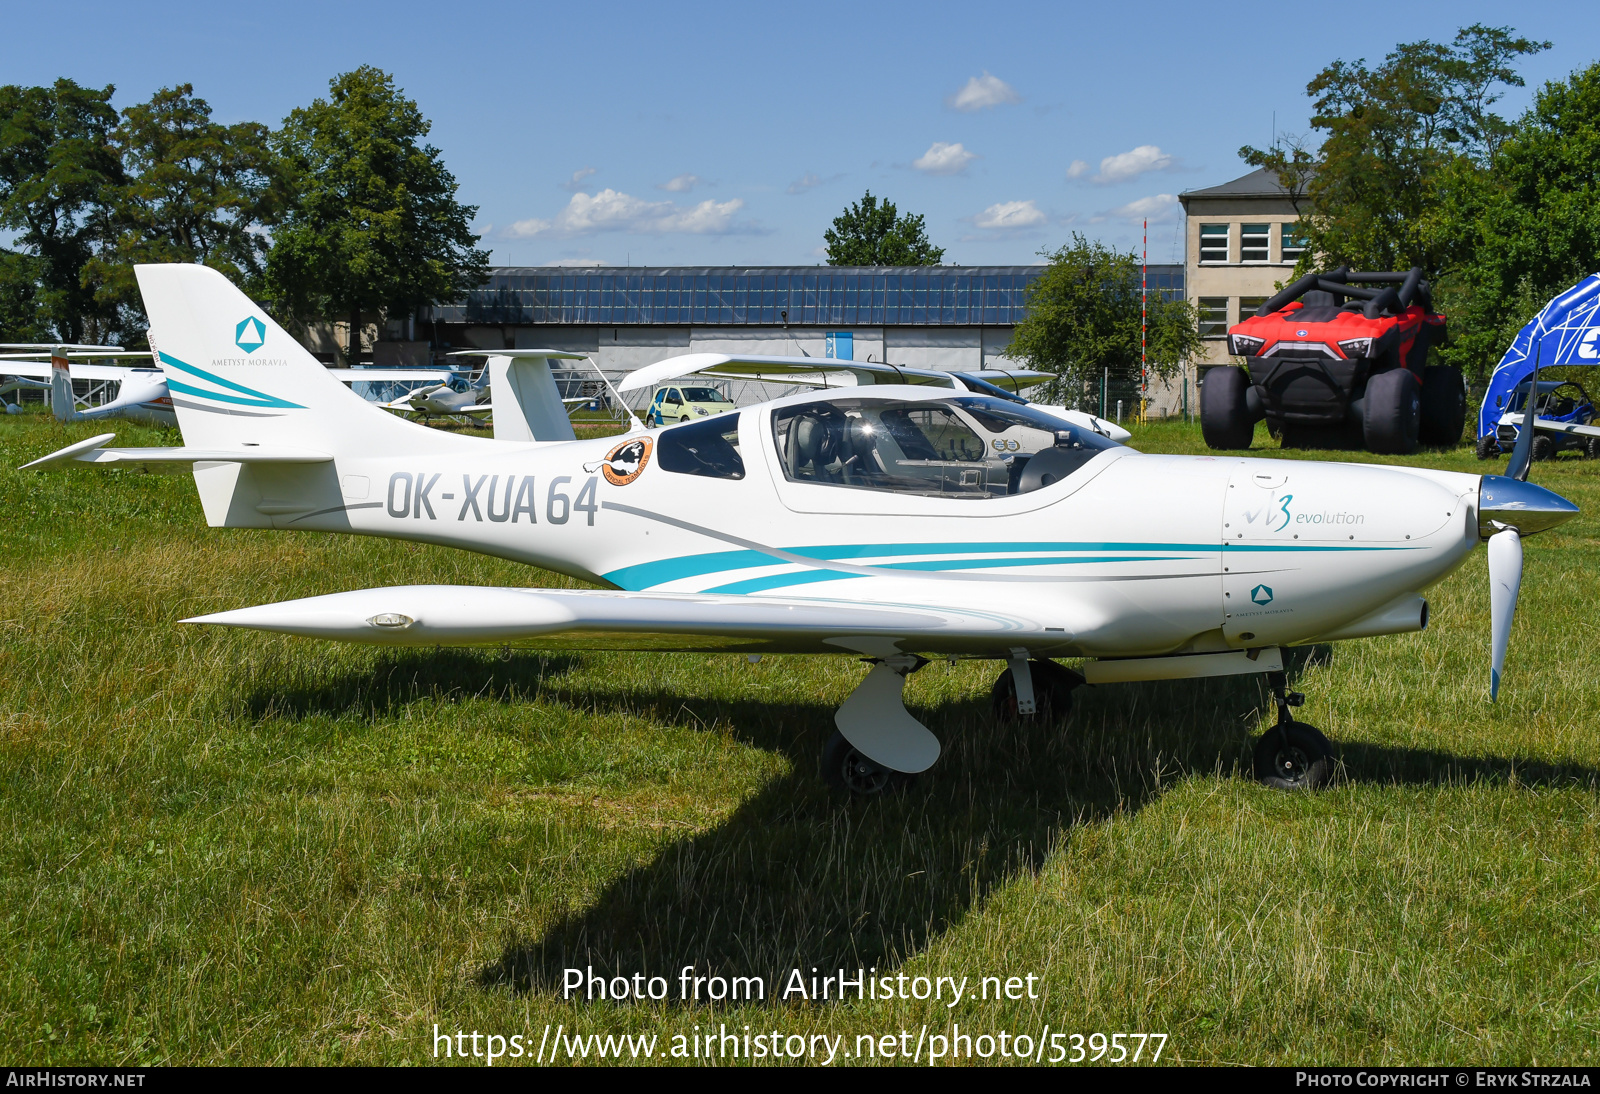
x,y
237,378
62,404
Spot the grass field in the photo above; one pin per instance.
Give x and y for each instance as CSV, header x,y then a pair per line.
x,y
234,847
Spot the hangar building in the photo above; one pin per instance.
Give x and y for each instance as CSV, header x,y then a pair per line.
x,y
939,317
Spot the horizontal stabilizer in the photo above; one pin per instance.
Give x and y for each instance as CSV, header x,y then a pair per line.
x,y
93,450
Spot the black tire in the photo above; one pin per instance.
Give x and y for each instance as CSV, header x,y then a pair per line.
x,y
1444,406
1544,446
1591,448
1294,756
1393,412
1052,692
846,769
1225,419
1489,446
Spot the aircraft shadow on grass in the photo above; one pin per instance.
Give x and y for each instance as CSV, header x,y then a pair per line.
x,y
404,676
797,877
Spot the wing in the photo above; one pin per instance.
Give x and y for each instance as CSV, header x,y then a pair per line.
x,y
456,615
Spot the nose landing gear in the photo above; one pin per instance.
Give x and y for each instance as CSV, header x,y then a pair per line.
x,y
1292,755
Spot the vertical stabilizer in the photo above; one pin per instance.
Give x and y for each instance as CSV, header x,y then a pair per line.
x,y
236,377
62,404
527,404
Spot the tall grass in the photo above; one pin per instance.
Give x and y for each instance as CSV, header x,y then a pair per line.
x,y
226,847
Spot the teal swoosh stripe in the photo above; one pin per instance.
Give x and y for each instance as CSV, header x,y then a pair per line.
x,y
650,574
804,577
253,397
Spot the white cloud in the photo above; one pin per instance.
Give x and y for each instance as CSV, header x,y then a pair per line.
x,y
681,184
576,181
1077,169
613,211
1010,216
944,159
810,181
1160,208
982,93
1130,165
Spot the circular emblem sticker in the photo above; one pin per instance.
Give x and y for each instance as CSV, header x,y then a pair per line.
x,y
626,462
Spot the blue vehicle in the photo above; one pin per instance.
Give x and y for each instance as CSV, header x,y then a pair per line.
x,y
1566,420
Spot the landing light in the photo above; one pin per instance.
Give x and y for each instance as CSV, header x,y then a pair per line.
x,y
391,620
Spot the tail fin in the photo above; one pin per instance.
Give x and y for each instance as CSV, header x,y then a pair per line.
x,y
62,404
527,404
236,377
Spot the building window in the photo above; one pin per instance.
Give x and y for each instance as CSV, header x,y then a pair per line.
x,y
1294,243
1255,242
1213,316
1248,306
1213,243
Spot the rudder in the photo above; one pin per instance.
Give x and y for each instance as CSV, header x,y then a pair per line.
x,y
237,377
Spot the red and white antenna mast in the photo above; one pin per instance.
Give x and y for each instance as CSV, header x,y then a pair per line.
x,y
1144,310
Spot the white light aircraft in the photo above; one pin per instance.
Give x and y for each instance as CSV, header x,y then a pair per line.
x,y
829,372
874,522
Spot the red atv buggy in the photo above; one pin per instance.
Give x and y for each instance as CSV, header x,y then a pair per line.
x,y
1338,360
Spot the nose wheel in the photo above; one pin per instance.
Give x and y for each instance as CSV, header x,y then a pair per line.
x,y
845,768
1292,755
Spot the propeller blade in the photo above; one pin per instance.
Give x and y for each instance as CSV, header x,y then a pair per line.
x,y
1505,581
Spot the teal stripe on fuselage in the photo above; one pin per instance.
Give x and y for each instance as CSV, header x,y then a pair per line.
x,y
647,575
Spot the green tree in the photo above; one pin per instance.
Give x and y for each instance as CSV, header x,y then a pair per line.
x,y
1403,142
870,233
1531,227
374,224
1084,317
57,166
192,191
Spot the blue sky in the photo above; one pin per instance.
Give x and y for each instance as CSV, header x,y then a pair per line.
x,y
712,133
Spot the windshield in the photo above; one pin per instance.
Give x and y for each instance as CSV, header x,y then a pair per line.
x,y
703,395
998,417
984,387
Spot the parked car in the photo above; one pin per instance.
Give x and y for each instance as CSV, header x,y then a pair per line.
x,y
1338,359
685,402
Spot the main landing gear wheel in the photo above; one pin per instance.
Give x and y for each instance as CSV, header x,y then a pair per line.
x,y
1052,692
1292,755
845,768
